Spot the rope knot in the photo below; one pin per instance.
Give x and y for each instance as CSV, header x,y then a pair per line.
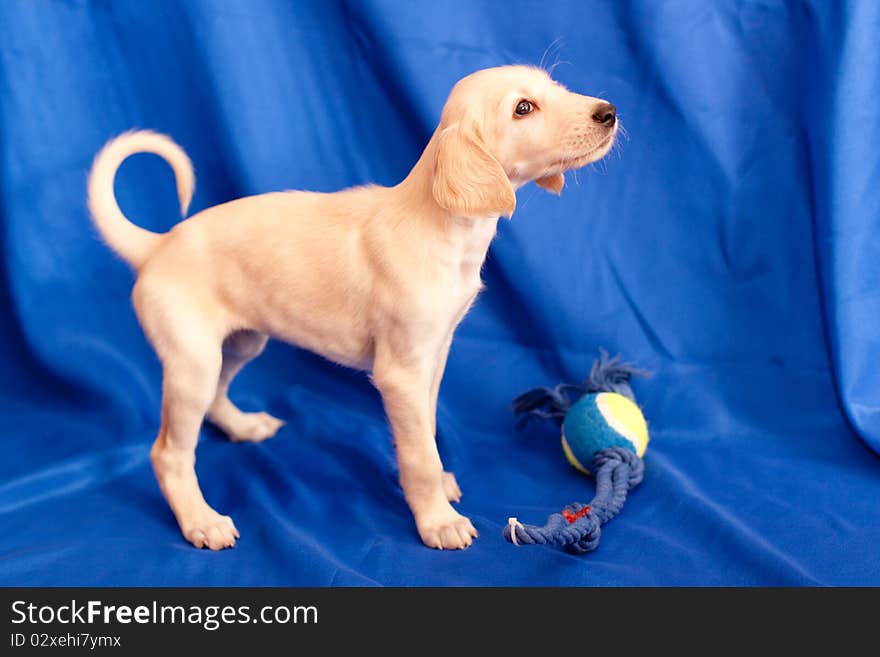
x,y
578,527
614,457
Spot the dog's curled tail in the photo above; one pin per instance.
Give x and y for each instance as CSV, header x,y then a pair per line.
x,y
133,243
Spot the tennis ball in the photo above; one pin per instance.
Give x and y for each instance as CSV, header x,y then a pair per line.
x,y
601,420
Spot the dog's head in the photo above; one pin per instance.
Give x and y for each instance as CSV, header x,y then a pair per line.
x,y
503,127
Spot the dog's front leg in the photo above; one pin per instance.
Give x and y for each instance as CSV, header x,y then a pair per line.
x,y
450,485
405,381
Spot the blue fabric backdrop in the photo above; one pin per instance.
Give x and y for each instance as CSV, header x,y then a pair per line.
x,y
731,246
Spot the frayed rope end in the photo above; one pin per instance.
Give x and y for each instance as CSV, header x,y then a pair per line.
x,y
611,374
608,374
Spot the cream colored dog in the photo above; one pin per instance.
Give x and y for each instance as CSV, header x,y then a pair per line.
x,y
372,277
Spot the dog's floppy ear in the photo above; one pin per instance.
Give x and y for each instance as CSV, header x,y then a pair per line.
x,y
552,183
467,179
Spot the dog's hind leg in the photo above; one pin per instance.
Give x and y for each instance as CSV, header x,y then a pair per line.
x,y
189,346
238,349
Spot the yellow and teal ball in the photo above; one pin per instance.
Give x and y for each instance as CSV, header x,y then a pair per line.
x,y
601,420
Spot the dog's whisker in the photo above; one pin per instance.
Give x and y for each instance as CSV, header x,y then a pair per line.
x,y
558,63
527,199
557,42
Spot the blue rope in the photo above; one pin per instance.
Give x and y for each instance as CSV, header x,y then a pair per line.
x,y
617,470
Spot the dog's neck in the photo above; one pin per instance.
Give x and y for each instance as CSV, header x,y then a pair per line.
x,y
469,236
417,189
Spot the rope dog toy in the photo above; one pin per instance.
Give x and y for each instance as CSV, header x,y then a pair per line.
x,y
603,433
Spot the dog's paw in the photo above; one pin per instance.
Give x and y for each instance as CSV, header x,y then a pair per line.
x,y
450,487
211,530
254,428
446,529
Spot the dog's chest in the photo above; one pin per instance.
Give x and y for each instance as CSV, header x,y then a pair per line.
x,y
468,244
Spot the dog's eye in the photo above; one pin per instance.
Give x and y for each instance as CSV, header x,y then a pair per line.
x,y
524,107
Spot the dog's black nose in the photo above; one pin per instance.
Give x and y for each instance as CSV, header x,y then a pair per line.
x,y
606,114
